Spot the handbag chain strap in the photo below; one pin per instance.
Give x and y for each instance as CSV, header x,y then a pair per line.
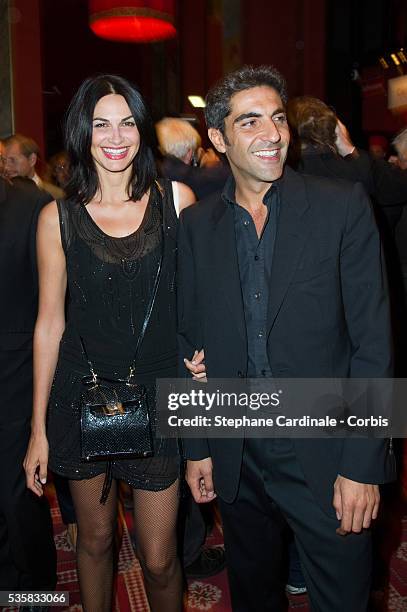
x,y
148,311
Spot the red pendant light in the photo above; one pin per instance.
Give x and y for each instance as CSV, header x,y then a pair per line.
x,y
132,20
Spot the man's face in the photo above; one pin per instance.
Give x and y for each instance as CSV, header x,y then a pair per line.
x,y
256,136
377,151
61,171
16,163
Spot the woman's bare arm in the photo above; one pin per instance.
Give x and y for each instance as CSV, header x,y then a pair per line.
x,y
47,335
186,196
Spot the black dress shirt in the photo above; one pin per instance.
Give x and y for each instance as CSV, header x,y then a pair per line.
x,y
255,257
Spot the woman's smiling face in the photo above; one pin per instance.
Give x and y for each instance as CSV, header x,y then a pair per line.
x,y
115,137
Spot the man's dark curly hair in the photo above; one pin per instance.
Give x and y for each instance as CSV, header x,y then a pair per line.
x,y
219,96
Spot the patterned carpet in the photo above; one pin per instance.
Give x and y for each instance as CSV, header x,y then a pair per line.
x,y
212,595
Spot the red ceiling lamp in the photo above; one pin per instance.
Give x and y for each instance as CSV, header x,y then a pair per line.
x,y
131,20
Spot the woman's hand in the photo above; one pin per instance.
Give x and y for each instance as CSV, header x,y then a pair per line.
x,y
35,463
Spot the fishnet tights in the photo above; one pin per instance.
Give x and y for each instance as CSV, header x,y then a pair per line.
x,y
95,543
155,518
155,533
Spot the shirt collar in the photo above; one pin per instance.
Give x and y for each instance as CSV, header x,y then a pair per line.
x,y
228,192
36,180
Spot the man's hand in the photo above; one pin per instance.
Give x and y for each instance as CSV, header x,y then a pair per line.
x,y
199,479
197,366
343,140
356,504
393,159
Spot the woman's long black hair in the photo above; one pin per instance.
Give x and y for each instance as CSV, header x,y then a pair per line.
x,y
84,183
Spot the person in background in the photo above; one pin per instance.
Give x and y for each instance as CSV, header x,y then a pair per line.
x,y
2,159
400,145
21,155
322,146
58,169
180,145
27,551
378,146
178,139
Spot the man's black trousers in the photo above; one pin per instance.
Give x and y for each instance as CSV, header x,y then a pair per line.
x,y
27,550
337,569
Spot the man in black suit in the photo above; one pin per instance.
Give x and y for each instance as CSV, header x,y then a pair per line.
x,y
27,551
281,275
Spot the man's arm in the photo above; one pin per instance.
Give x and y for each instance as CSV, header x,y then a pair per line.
x,y
187,307
364,291
189,328
384,181
367,312
366,306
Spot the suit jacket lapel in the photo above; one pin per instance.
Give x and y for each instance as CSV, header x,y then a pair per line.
x,y
227,267
294,226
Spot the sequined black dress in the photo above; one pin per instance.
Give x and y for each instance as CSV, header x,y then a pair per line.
x,y
110,281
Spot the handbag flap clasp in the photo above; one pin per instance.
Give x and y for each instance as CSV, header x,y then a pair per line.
x,y
113,409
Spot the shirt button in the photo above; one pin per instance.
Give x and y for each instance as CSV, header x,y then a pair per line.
x,y
246,223
256,258
260,334
257,295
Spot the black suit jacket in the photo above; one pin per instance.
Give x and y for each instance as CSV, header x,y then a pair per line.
x,y
328,314
20,204
202,181
384,182
28,544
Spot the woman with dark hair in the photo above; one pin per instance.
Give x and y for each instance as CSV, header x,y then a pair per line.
x,y
102,245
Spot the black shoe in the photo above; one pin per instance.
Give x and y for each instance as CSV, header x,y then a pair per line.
x,y
211,561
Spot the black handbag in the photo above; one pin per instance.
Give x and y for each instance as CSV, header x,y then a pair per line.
x,y
115,417
115,420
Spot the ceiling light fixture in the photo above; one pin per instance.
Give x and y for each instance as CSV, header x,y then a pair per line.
x,y
134,21
197,101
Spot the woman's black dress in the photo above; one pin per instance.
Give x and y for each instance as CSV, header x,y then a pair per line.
x,y
110,281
